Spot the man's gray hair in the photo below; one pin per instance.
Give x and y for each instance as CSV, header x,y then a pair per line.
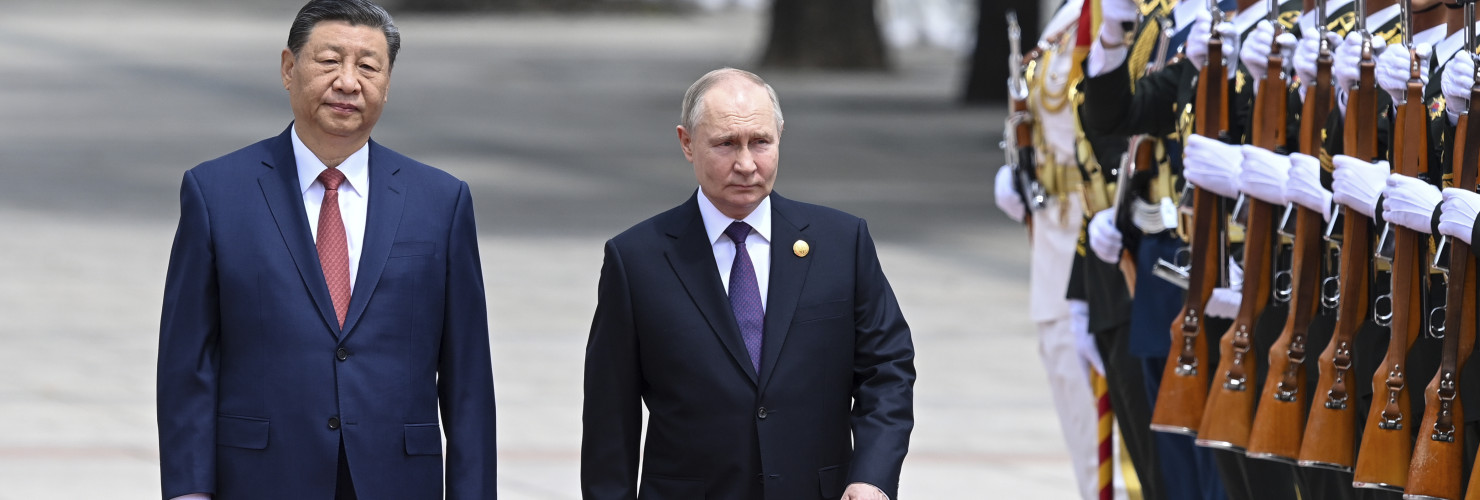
x,y
354,12
693,99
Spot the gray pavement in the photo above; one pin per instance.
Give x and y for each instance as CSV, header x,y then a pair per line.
x,y
564,129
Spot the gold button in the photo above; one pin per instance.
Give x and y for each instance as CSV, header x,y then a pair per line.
x,y
800,248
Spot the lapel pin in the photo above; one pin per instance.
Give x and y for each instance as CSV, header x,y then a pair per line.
x,y
800,248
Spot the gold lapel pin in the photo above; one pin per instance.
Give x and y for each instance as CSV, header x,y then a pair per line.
x,y
800,248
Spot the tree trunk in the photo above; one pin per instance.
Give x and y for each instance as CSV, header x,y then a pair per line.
x,y
986,82
825,34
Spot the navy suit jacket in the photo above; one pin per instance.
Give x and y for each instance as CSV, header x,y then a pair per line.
x,y
257,383
831,405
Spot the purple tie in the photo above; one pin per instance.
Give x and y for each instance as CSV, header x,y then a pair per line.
x,y
745,295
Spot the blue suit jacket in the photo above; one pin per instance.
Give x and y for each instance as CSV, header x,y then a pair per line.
x,y
253,364
832,403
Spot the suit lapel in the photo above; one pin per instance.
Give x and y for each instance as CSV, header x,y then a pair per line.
x,y
285,201
692,259
788,274
382,220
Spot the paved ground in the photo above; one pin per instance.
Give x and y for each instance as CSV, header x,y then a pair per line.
x,y
564,128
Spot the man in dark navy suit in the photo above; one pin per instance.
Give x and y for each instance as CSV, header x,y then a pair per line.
x,y
325,300
760,333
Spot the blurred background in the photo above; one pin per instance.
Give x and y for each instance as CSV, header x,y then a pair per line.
x,y
560,114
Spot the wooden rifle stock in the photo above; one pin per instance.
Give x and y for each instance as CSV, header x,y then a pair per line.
x,y
1438,454
1279,423
1331,426
1229,414
1387,446
1184,381
1467,166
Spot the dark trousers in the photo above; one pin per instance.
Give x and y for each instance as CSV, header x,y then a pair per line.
x,y
1132,411
1188,472
344,486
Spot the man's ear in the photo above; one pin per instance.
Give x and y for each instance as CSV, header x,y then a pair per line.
x,y
685,141
288,61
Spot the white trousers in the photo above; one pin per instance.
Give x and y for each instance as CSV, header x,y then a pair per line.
x,y
1068,380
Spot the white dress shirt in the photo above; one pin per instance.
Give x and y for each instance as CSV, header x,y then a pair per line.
x,y
354,201
757,244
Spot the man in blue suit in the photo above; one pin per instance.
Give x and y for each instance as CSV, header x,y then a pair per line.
x,y
760,333
325,300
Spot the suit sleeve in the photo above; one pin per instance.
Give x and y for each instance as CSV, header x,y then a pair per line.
x,y
465,371
612,412
883,376
1111,107
189,327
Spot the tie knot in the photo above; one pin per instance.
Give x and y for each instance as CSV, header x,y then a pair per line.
x,y
737,232
331,177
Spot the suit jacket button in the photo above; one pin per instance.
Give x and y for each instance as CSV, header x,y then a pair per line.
x,y
341,354
761,414
333,423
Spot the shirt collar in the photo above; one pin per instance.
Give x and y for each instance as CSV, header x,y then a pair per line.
x,y
1251,15
715,221
1451,46
1381,17
356,168
1431,36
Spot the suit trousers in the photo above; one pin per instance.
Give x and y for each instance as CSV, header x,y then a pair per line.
x,y
1074,400
344,485
1132,413
1189,471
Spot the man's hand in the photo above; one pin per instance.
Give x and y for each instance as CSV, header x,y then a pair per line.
x,y
1349,58
1393,69
1358,184
1305,185
1212,165
1457,216
1104,238
1410,202
1114,14
1459,76
1256,50
1307,50
864,491
1007,198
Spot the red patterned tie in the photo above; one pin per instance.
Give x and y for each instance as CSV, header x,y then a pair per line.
x,y
333,247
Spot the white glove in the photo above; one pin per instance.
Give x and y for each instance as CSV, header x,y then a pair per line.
x,y
1349,57
1197,42
1084,341
1007,198
1457,215
1256,49
1459,76
1306,53
1104,237
1264,175
1357,184
1410,203
1212,165
1113,13
1224,303
1393,72
1305,185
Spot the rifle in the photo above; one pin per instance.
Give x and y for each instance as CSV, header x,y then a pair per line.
x,y
1466,166
1017,131
1228,416
1140,157
1280,419
1438,456
1184,383
1331,426
1387,447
